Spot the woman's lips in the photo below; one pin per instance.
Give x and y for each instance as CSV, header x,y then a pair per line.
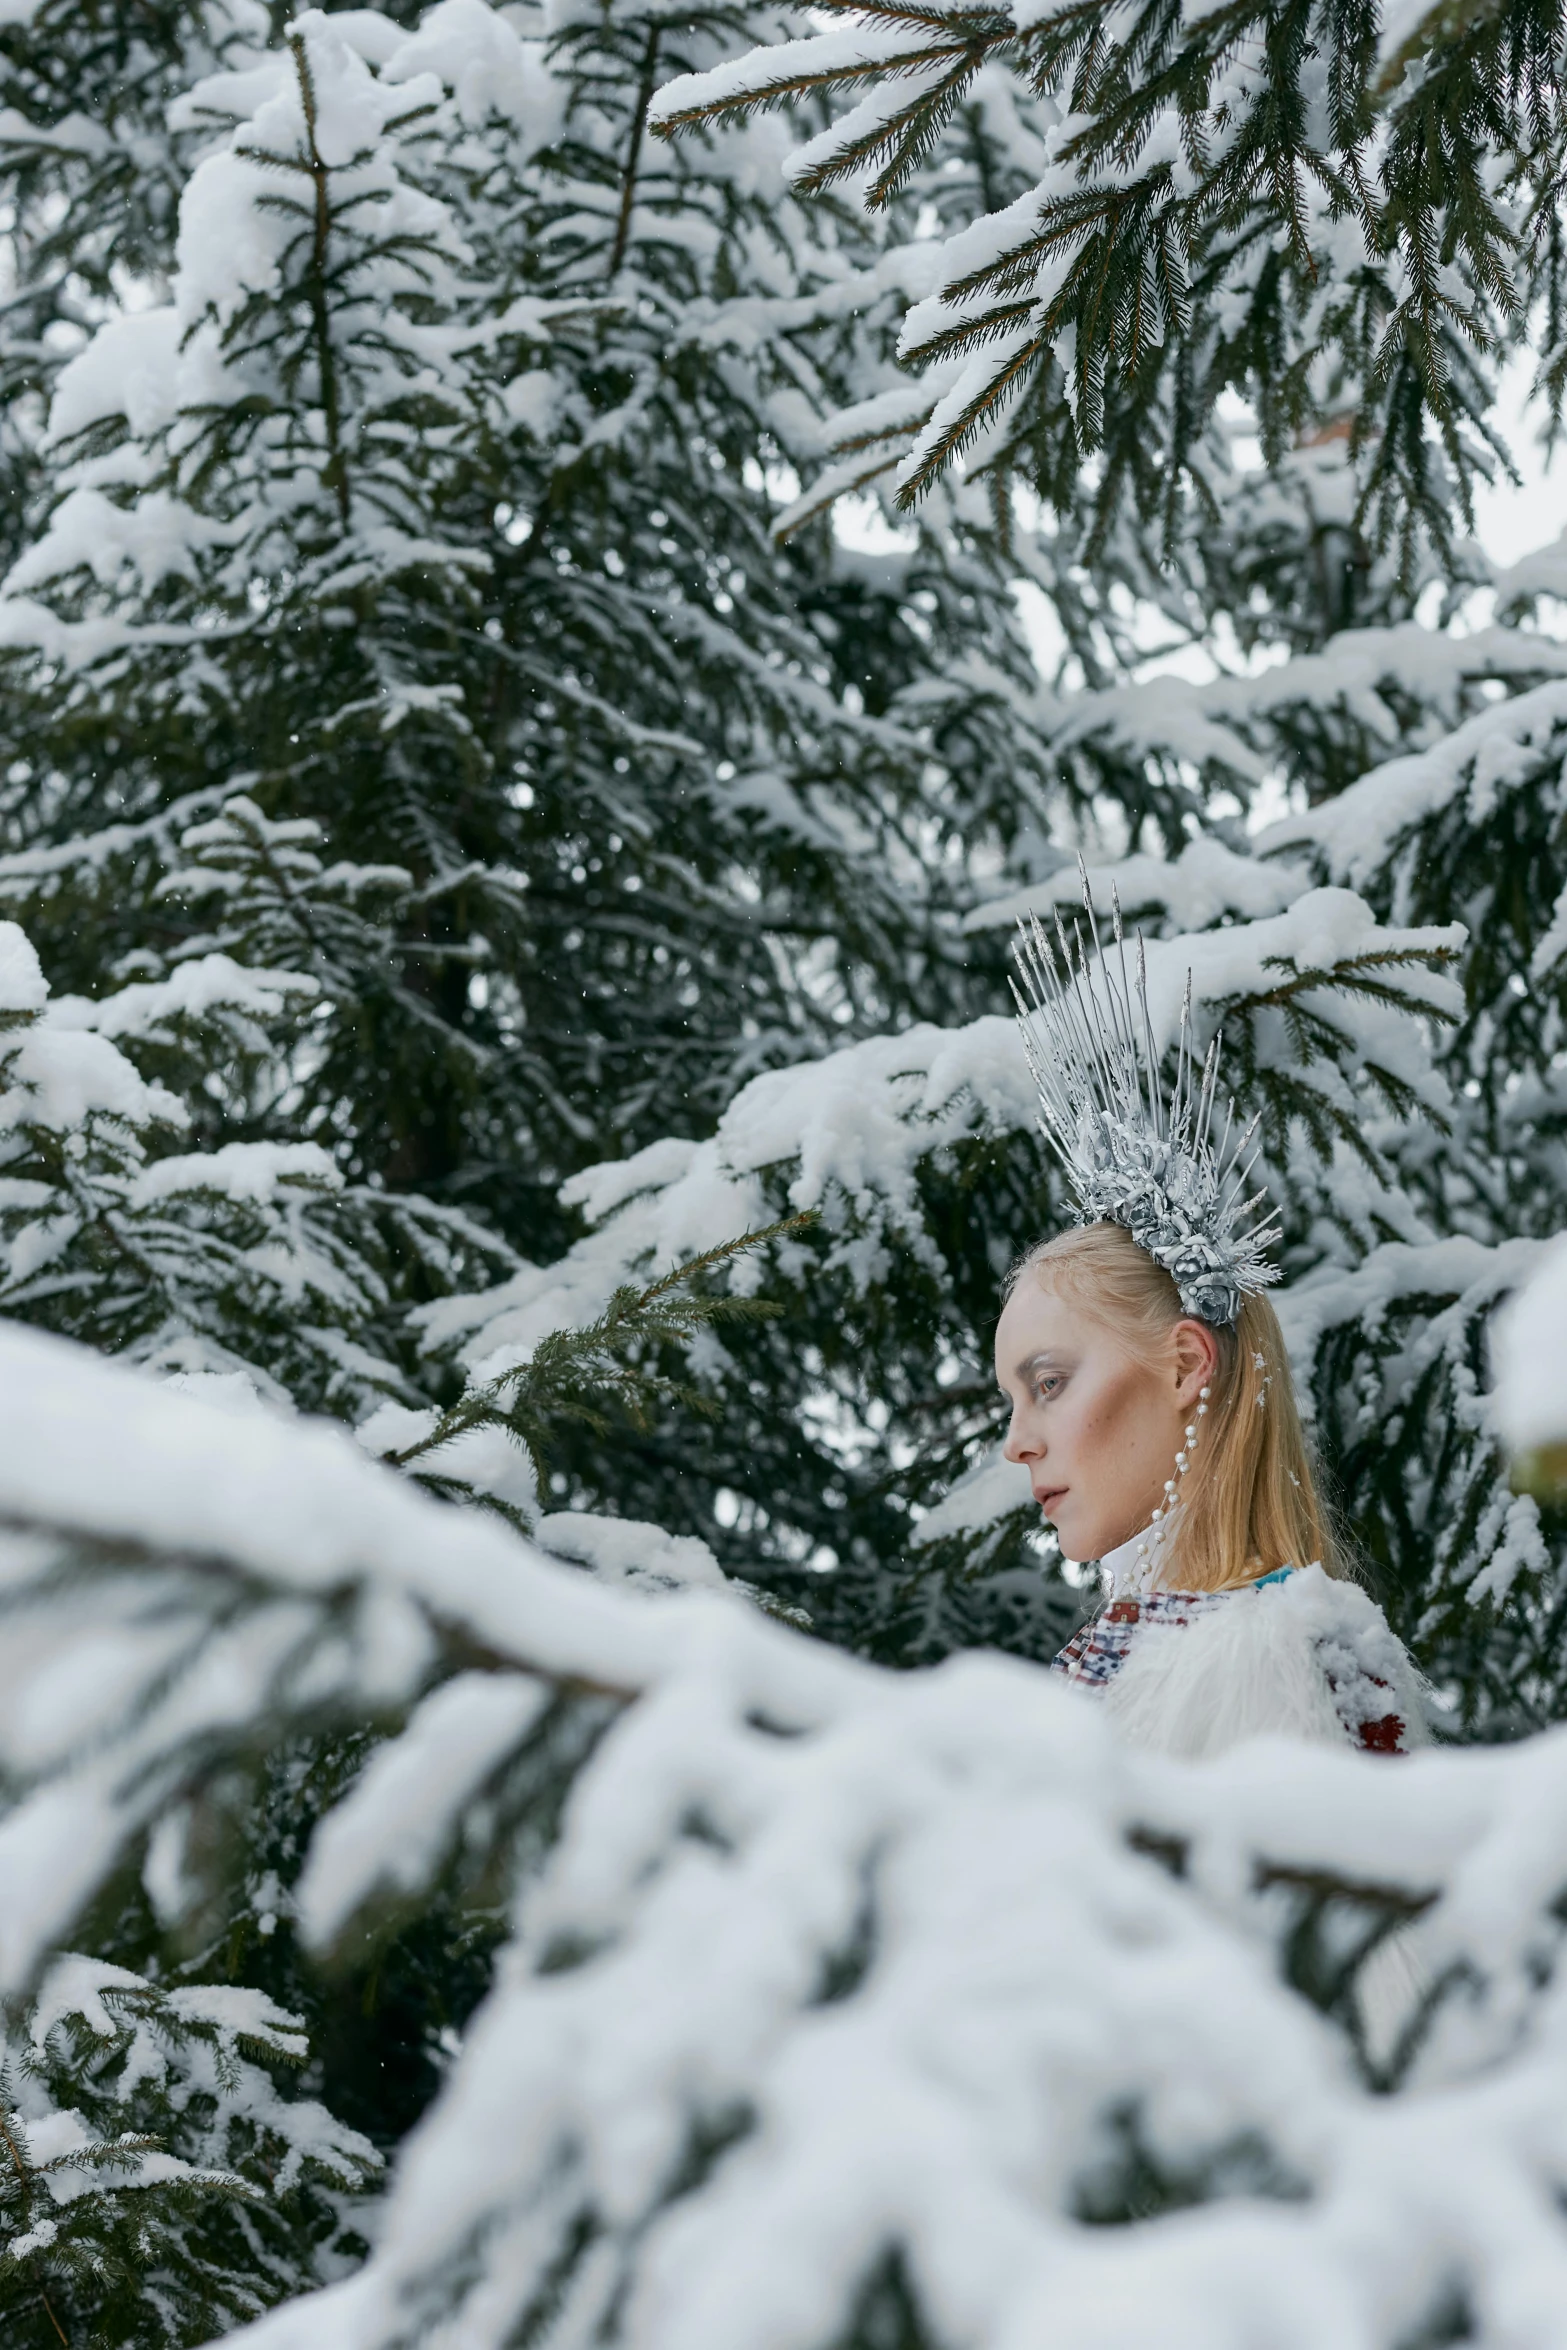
x,y
1045,1495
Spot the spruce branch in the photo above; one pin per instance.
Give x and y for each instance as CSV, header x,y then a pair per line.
x,y
335,474
1356,975
628,178
577,1375
1178,181
180,2158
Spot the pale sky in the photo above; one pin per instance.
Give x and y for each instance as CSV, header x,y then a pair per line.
x,y
1514,522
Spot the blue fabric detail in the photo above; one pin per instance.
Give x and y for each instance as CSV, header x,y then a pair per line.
x,y
1277,1576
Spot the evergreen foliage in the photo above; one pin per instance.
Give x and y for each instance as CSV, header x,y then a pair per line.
x,y
788,2035
525,884
446,459
918,1153
247,1258
467,467
1338,218
155,2187
600,1375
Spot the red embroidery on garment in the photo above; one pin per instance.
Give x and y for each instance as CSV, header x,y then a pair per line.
x,y
1123,1611
1383,1733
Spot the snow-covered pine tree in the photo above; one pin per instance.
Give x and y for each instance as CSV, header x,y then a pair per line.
x,y
251,560
93,172
857,2100
875,1394
1419,1171
528,175
1341,217
483,485
776,1908
250,1260
875,1359
246,1267
918,1152
433,506
154,2186
400,629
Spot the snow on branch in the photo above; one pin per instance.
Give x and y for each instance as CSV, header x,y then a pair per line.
x,y
1120,252
1354,836
1466,1272
856,1919
1241,730
1206,882
131,2108
848,1133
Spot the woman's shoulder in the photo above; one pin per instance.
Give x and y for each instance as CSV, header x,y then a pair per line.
x,y
1376,1688
1293,1653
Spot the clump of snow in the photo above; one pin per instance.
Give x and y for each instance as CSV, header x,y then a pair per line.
x,y
198,2046
487,65
59,1078
485,1459
1470,1272
1201,886
23,987
394,1824
231,1391
231,241
992,1489
630,1552
129,369
254,1171
1354,833
192,991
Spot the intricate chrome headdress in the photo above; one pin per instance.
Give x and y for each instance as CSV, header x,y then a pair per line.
x,y
1132,1157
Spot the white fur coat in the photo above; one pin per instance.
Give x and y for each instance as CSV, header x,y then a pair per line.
x,y
1303,1658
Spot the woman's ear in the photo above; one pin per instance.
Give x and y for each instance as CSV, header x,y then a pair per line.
x,y
1196,1360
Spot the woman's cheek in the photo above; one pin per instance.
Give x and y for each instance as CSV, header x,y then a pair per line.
x,y
1107,1420
1091,1427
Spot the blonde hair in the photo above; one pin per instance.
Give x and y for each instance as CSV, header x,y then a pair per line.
x,y
1250,1501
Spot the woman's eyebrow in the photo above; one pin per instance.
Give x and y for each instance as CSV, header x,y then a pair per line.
x,y
1045,1360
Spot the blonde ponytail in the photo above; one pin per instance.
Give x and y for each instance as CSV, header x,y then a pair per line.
x,y
1250,1501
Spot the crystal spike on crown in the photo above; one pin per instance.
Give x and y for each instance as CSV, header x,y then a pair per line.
x,y
1132,1156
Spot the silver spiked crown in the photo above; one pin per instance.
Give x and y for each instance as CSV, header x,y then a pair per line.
x,y
1132,1155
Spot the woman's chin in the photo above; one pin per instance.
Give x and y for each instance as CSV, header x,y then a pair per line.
x,y
1077,1541
1083,1544
1085,1536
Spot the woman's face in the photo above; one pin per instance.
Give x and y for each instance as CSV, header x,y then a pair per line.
x,y
1096,1428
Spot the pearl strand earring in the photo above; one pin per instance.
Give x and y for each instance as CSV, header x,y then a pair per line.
x,y
1148,1547
1183,1457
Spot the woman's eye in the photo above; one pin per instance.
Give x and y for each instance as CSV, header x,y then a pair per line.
x,y
1045,1388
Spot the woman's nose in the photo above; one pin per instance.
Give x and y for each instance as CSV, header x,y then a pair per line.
x,y
1020,1445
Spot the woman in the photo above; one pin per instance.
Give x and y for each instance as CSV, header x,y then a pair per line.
x,y
1153,1408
